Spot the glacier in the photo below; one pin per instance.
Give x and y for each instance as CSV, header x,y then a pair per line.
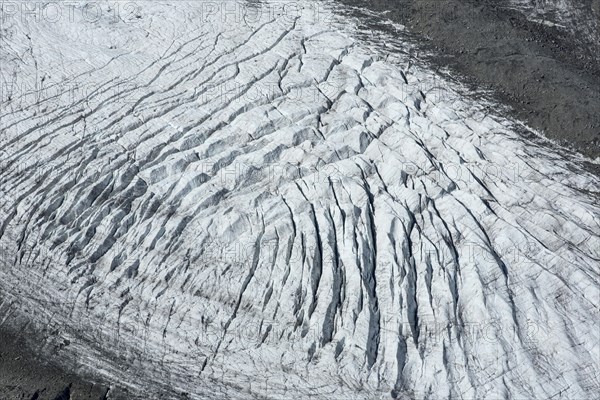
x,y
260,199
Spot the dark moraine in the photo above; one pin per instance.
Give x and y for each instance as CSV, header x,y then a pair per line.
x,y
28,373
549,75
24,375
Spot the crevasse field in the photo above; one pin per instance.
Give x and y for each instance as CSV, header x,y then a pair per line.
x,y
260,199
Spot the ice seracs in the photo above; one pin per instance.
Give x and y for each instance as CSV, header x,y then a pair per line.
x,y
278,209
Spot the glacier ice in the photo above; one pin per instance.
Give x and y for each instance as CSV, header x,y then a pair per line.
x,y
274,206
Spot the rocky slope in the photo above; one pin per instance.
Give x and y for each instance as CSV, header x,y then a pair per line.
x,y
542,58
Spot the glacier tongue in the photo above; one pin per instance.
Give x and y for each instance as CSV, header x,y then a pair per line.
x,y
272,206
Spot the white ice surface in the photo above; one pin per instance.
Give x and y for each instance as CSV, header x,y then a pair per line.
x,y
274,207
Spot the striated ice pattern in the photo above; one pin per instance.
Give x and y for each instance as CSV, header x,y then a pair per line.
x,y
275,206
